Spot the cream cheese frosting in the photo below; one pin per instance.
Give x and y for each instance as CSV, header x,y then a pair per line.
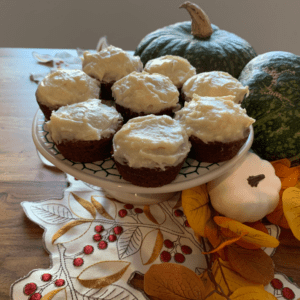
x,y
85,121
110,64
214,119
177,68
151,142
214,84
64,87
144,92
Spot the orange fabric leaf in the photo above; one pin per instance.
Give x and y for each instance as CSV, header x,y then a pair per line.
x,y
173,281
251,235
289,177
195,206
291,209
241,242
253,265
252,293
213,233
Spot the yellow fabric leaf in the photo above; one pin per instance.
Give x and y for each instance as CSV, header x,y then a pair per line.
x,y
291,209
114,271
195,206
86,204
173,281
251,235
101,210
227,279
50,295
252,293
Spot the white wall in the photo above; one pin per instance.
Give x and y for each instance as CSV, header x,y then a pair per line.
x,y
266,24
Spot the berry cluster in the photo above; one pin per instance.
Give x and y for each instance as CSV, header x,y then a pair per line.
x,y
31,288
286,292
179,213
166,255
129,210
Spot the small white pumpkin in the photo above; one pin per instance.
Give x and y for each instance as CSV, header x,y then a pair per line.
x,y
248,192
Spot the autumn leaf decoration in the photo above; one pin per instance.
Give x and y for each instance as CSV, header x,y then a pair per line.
x,y
237,267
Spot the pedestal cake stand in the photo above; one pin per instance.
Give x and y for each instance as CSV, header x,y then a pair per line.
x,y
104,174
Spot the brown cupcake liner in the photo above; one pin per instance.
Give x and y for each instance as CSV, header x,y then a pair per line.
x,y
86,151
147,177
128,114
214,152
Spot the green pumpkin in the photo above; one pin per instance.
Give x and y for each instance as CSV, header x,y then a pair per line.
x,y
203,44
274,101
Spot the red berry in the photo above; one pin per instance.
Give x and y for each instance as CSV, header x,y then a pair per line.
x,y
179,258
128,206
97,237
138,210
168,244
178,213
99,228
186,249
59,282
287,293
35,296
186,223
118,230
277,284
88,249
46,277
165,256
122,213
102,245
30,288
77,262
112,238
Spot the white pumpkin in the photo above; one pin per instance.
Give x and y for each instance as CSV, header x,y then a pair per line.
x,y
248,192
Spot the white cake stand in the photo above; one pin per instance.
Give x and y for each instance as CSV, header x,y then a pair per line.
x,y
105,175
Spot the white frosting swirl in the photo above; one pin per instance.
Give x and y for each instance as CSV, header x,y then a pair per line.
x,y
144,92
214,119
177,68
85,121
214,84
151,142
64,87
110,64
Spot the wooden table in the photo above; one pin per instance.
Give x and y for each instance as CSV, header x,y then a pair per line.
x,y
24,178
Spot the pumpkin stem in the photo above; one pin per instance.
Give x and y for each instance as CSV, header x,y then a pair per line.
x,y
201,26
254,180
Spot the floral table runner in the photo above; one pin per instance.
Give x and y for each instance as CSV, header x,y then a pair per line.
x,y
98,245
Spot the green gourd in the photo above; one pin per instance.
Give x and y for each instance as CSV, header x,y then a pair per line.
x,y
273,79
203,44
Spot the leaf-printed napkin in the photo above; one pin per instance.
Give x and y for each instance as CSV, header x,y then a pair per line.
x,y
97,245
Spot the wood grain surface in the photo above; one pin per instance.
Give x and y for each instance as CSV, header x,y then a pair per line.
x,y
24,178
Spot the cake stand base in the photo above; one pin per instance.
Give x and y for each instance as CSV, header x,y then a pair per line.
x,y
142,199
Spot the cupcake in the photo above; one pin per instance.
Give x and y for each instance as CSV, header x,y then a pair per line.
x,y
64,87
217,127
177,68
139,94
83,131
108,66
214,84
149,151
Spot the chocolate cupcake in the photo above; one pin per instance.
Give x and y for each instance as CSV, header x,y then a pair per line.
x,y
177,68
214,84
217,127
149,151
140,94
64,87
83,132
108,66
